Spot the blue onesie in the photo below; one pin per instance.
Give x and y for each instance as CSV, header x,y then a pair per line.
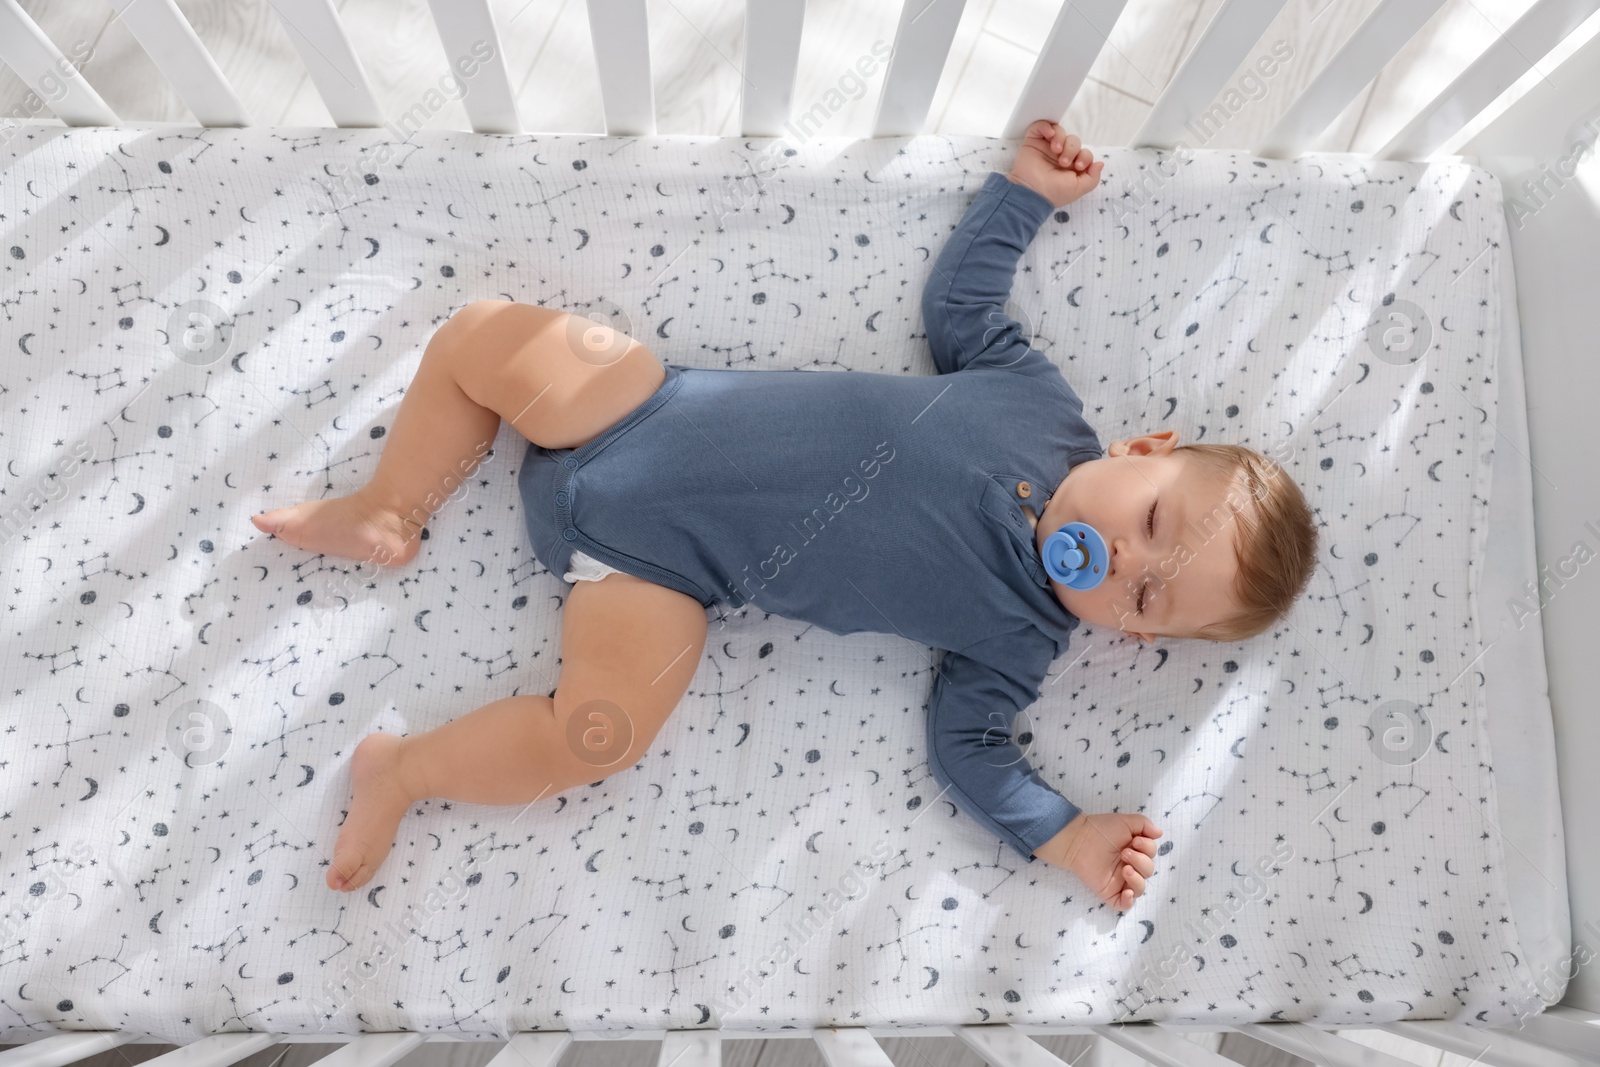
x,y
859,501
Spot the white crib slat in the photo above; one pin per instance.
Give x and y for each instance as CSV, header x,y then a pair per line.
x,y
1492,1047
1381,34
466,29
1549,125
1225,43
171,43
1079,32
691,1048
1006,1046
34,57
1512,55
373,1050
1163,1047
771,59
316,32
1319,1046
620,31
921,47
530,1049
63,1048
218,1050
1562,1027
849,1047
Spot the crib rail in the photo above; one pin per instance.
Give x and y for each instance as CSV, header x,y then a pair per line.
x,y
1565,1038
619,32
1544,25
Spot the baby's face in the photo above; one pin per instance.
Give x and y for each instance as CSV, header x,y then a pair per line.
x,y
1182,575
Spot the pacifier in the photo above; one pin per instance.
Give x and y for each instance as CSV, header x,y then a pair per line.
x,y
1075,556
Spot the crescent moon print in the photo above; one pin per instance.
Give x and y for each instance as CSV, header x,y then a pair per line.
x,y
835,801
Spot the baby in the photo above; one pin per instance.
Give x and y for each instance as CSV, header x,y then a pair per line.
x,y
892,503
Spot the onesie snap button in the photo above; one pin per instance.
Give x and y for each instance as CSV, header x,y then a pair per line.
x,y
1024,490
570,463
570,535
561,498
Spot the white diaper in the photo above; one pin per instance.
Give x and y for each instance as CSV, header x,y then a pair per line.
x,y
582,568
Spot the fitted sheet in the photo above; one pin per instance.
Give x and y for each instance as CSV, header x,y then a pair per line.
x,y
1227,297
1517,689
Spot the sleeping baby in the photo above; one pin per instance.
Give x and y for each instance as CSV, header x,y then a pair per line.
x,y
911,504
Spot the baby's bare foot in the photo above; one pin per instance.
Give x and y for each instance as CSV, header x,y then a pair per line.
x,y
380,802
348,526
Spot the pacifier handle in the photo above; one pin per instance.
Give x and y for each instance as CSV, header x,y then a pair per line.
x,y
1076,556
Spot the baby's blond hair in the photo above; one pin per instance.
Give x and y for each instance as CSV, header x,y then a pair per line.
x,y
1275,537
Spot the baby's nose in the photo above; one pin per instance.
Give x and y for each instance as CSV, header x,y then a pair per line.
x,y
1124,559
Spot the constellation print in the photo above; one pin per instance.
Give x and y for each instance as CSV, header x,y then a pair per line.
x,y
793,785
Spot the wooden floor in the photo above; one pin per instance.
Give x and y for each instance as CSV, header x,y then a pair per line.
x,y
696,51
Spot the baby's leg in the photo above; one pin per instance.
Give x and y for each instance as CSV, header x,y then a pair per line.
x,y
629,649
560,380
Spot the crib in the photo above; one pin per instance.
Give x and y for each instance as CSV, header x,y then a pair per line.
x,y
1533,135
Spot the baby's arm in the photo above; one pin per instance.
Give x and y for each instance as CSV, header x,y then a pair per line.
x,y
972,755
976,692
963,300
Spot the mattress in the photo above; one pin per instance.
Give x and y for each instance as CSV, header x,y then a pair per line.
x,y
213,322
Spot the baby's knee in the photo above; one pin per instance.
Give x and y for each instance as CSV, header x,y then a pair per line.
x,y
453,333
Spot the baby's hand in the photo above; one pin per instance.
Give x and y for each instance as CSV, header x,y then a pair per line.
x,y
1113,854
1054,164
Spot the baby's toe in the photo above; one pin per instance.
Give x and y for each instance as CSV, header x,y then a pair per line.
x,y
355,880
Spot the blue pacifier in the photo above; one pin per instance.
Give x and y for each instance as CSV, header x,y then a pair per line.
x,y
1075,556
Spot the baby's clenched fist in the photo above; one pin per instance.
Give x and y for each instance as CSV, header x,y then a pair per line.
x,y
1054,164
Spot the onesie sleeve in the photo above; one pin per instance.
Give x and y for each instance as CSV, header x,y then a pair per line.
x,y
976,692
963,300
